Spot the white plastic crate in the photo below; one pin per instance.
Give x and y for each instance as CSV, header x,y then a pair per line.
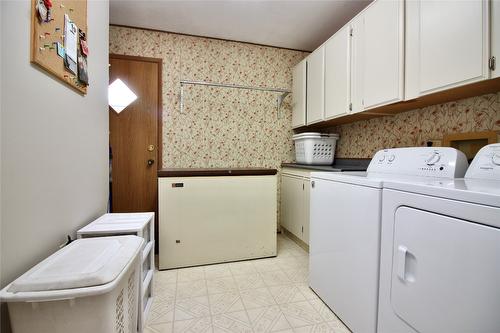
x,y
139,224
315,148
88,286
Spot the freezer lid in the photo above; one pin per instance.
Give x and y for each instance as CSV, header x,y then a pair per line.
x,y
83,263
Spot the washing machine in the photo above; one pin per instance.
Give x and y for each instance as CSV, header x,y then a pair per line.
x,y
440,252
345,221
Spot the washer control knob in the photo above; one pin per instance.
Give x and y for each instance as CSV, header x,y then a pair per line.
x,y
433,158
391,158
495,158
381,158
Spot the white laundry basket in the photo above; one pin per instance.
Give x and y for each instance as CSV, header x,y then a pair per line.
x,y
91,285
315,148
139,224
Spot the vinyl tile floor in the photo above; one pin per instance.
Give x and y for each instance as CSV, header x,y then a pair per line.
x,y
253,296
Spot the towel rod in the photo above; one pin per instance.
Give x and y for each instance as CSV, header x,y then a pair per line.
x,y
236,86
279,99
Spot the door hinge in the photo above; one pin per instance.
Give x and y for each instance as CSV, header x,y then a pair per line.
x,y
350,106
492,63
302,229
303,186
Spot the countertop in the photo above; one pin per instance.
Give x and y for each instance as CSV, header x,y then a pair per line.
x,y
214,172
340,164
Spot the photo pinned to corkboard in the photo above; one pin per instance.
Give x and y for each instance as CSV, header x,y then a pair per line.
x,y
59,40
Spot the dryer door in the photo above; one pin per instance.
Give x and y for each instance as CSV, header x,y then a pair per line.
x,y
446,273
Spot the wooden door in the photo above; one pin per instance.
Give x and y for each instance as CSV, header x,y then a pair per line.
x,y
134,135
337,74
315,86
299,94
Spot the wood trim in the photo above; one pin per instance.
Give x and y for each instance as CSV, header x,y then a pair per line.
x,y
491,136
207,37
159,143
470,90
216,172
138,58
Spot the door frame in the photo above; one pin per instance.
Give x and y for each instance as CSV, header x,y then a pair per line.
x,y
159,116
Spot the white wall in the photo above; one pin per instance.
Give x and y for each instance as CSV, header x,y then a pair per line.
x,y
54,143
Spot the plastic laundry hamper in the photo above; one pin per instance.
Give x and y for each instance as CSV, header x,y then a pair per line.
x,y
315,148
89,286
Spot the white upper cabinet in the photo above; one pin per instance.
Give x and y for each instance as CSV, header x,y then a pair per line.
x,y
383,53
378,55
495,38
447,44
357,64
337,74
299,94
315,86
397,50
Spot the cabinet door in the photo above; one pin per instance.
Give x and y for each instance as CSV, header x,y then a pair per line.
x,y
337,74
315,86
306,210
357,63
299,94
291,204
447,44
495,37
378,39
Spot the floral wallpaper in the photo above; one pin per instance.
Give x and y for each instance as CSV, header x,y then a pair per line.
x,y
414,128
219,127
223,127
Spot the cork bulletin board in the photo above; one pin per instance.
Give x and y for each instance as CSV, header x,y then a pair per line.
x,y
48,39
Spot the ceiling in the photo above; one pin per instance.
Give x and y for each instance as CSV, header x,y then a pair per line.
x,y
294,24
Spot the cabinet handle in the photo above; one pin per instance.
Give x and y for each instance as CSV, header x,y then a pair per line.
x,y
312,184
492,63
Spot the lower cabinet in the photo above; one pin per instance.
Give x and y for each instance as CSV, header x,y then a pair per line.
x,y
295,187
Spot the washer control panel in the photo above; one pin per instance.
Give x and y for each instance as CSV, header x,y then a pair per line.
x,y
486,164
443,162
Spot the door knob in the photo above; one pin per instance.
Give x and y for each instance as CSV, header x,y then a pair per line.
x,y
151,162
